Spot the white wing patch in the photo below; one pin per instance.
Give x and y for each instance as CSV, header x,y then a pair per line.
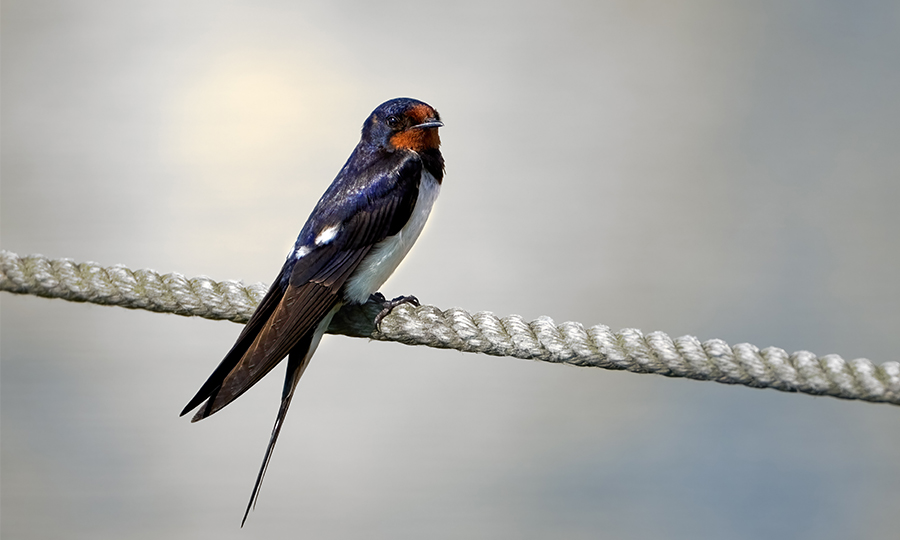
x,y
327,235
384,258
302,252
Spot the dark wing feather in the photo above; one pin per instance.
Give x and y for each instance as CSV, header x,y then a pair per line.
x,y
300,310
295,305
298,359
259,318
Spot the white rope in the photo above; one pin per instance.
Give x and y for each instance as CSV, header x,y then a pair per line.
x,y
133,289
483,332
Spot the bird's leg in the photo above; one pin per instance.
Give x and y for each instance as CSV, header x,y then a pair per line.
x,y
389,305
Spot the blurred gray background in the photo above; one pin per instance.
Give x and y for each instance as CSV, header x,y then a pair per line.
x,y
721,169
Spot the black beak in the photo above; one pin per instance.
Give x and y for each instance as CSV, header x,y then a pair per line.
x,y
432,124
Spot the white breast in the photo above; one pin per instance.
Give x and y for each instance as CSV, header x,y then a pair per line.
x,y
384,258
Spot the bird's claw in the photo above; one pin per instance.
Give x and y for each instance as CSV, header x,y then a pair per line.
x,y
389,305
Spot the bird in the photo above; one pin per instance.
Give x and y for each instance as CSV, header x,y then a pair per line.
x,y
357,234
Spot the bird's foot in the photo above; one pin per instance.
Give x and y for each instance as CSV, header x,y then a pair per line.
x,y
389,305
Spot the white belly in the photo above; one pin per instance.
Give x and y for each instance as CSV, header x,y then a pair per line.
x,y
384,258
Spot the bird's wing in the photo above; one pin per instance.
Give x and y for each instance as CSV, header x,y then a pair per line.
x,y
294,306
263,311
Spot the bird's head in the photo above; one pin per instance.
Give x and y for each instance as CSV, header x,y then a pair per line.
x,y
403,123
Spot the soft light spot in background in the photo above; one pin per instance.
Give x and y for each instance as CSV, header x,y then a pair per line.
x,y
238,130
238,111
248,117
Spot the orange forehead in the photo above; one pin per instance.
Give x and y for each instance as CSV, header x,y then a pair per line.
x,y
421,113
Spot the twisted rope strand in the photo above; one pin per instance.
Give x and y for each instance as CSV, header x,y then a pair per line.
x,y
133,289
541,339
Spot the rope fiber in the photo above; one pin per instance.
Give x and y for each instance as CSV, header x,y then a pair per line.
x,y
483,332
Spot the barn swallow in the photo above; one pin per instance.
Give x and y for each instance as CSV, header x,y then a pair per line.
x,y
353,240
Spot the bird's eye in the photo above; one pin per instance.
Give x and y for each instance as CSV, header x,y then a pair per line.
x,y
393,121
